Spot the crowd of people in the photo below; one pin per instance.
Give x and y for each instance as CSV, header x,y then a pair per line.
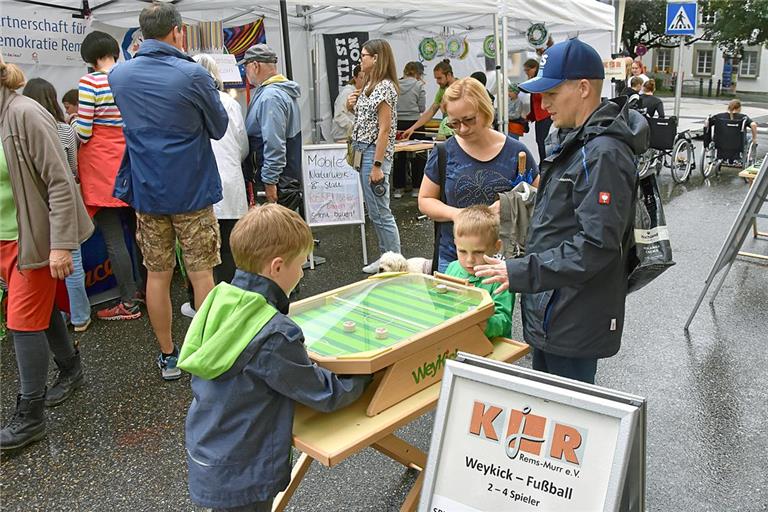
x,y
184,185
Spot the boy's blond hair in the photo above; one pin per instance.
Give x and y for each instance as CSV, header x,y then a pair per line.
x,y
477,220
267,232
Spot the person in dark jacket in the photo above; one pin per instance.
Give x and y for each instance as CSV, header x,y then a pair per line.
x,y
574,275
171,110
274,126
651,105
250,367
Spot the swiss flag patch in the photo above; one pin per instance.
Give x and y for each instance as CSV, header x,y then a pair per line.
x,y
604,198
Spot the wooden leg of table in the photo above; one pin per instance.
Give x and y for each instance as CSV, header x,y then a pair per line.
x,y
297,474
404,453
412,500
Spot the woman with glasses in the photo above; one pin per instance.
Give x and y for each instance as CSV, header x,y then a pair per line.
x,y
373,135
480,163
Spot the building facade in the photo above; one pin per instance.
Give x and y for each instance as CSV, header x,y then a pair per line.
x,y
704,60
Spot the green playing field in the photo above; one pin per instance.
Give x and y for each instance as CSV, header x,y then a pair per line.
x,y
404,306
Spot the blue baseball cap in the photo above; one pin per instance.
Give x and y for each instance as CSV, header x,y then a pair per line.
x,y
570,60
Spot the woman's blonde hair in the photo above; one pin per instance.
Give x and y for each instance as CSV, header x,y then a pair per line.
x,y
268,232
211,67
473,92
11,77
384,66
734,105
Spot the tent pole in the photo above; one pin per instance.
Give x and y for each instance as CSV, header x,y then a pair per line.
x,y
316,90
497,60
503,100
285,32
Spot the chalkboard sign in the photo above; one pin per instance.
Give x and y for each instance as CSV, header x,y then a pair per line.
x,y
332,193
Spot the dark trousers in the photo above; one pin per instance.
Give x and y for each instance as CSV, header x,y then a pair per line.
x,y
260,506
405,160
582,369
110,223
542,129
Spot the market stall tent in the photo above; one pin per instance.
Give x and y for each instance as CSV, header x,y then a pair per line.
x,y
403,27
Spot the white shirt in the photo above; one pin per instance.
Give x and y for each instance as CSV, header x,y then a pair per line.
x,y
230,151
343,119
641,75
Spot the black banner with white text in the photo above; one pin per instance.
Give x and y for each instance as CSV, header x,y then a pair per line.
x,y
342,54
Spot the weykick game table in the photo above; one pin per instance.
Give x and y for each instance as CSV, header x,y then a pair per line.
x,y
425,320
404,324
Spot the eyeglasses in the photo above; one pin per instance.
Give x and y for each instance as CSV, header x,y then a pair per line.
x,y
454,124
366,54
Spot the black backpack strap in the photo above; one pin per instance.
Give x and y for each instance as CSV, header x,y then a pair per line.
x,y
441,165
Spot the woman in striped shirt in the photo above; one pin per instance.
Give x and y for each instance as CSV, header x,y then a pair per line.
x,y
44,93
99,126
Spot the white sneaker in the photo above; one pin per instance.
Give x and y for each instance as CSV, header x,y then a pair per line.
x,y
398,193
187,310
415,192
372,268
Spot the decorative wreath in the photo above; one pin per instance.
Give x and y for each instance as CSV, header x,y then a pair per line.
x,y
428,48
489,47
538,35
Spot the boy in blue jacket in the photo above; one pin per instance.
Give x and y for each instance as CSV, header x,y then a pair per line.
x,y
249,367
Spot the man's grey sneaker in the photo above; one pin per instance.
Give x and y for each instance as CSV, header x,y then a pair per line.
x,y
187,310
167,365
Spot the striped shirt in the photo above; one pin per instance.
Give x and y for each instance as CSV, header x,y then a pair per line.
x,y
97,106
69,143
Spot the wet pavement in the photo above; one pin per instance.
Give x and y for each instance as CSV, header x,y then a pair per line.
x,y
117,445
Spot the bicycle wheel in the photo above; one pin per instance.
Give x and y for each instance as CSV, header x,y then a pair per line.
x,y
707,160
681,160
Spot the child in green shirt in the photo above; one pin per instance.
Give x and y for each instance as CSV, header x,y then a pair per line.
x,y
476,233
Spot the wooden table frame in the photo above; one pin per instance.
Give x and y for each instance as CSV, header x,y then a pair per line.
x,y
750,178
331,438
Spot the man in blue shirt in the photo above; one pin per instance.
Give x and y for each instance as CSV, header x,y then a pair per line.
x,y
274,127
171,110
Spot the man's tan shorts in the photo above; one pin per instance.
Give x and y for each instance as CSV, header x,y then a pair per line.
x,y
198,234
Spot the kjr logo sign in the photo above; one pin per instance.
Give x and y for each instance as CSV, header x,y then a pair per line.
x,y
521,432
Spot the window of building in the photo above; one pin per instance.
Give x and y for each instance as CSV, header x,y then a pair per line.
x,y
706,16
748,65
664,60
704,62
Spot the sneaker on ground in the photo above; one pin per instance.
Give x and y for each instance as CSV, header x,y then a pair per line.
x,y
140,297
84,327
415,192
398,193
121,311
371,268
167,365
187,310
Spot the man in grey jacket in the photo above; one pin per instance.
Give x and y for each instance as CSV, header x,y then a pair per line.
x,y
273,124
574,275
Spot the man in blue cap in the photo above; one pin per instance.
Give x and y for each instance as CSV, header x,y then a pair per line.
x,y
574,276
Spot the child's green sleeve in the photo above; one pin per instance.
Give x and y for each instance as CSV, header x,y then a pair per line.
x,y
500,324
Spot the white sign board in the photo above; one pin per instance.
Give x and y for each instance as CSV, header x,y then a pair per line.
x,y
615,68
503,442
230,73
41,36
332,193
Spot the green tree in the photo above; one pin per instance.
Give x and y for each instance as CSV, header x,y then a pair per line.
x,y
644,23
737,23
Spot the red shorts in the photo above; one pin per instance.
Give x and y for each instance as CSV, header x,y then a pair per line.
x,y
31,293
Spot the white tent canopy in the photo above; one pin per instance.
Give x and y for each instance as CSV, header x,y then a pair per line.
x,y
403,28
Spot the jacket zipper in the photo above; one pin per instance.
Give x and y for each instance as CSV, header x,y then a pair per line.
x,y
548,311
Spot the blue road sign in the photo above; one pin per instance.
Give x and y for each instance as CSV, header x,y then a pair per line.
x,y
681,19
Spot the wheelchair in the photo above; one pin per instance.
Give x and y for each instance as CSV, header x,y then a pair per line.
x,y
668,149
725,144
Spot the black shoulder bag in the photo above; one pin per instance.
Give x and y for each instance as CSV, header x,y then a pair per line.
x,y
440,148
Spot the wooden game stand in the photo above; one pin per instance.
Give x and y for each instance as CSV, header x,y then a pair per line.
x,y
397,382
330,438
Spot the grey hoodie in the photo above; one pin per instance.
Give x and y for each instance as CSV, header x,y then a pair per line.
x,y
412,100
574,275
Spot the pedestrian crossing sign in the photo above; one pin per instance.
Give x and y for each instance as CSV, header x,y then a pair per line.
x,y
681,19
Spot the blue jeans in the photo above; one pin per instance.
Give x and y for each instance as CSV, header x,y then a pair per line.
x,y
442,264
378,207
79,307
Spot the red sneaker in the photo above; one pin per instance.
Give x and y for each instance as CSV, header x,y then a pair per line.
x,y
121,311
